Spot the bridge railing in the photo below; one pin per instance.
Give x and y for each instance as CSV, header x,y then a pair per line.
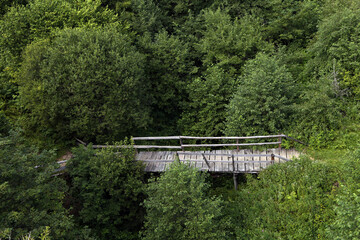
x,y
183,146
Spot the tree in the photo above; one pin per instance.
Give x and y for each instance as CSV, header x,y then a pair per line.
x,y
290,200
30,196
336,47
95,91
208,97
36,21
178,207
347,201
108,189
263,103
168,70
318,114
229,43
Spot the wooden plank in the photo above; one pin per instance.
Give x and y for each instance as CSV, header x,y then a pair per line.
x,y
240,157
282,158
264,157
161,166
224,158
199,165
154,164
210,138
256,157
237,165
136,146
218,162
230,144
145,157
231,138
218,159
157,138
247,160
295,140
229,154
155,146
170,159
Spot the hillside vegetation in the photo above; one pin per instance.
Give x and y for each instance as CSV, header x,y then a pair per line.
x,y
105,70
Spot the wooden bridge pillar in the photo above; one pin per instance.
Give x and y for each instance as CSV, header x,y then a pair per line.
x,y
235,181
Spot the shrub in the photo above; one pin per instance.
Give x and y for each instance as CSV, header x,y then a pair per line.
x,y
30,197
95,91
287,201
263,103
178,207
108,189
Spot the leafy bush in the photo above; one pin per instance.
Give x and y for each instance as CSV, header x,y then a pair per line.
x,y
178,207
209,96
108,189
287,201
263,103
347,207
95,91
318,115
30,197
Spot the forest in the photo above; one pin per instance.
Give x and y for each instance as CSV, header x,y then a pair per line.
x,y
104,71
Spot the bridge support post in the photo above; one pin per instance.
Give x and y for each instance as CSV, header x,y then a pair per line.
x,y
234,174
280,140
181,144
235,181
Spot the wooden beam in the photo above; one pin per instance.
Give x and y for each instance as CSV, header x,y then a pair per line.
x,y
230,144
278,156
157,138
295,140
235,181
231,138
206,161
225,154
136,146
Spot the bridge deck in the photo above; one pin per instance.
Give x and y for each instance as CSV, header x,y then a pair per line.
x,y
222,161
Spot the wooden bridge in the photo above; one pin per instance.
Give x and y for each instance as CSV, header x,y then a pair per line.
x,y
242,157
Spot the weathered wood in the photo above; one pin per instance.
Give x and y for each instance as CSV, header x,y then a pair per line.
x,y
295,140
230,138
282,158
235,181
207,163
249,161
233,163
155,146
81,142
157,138
229,144
229,154
137,146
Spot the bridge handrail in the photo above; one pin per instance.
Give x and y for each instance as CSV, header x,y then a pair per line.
x,y
183,146
206,138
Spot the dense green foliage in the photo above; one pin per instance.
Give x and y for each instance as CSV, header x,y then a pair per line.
x,y
346,222
107,188
30,198
104,70
260,106
287,201
178,207
92,91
